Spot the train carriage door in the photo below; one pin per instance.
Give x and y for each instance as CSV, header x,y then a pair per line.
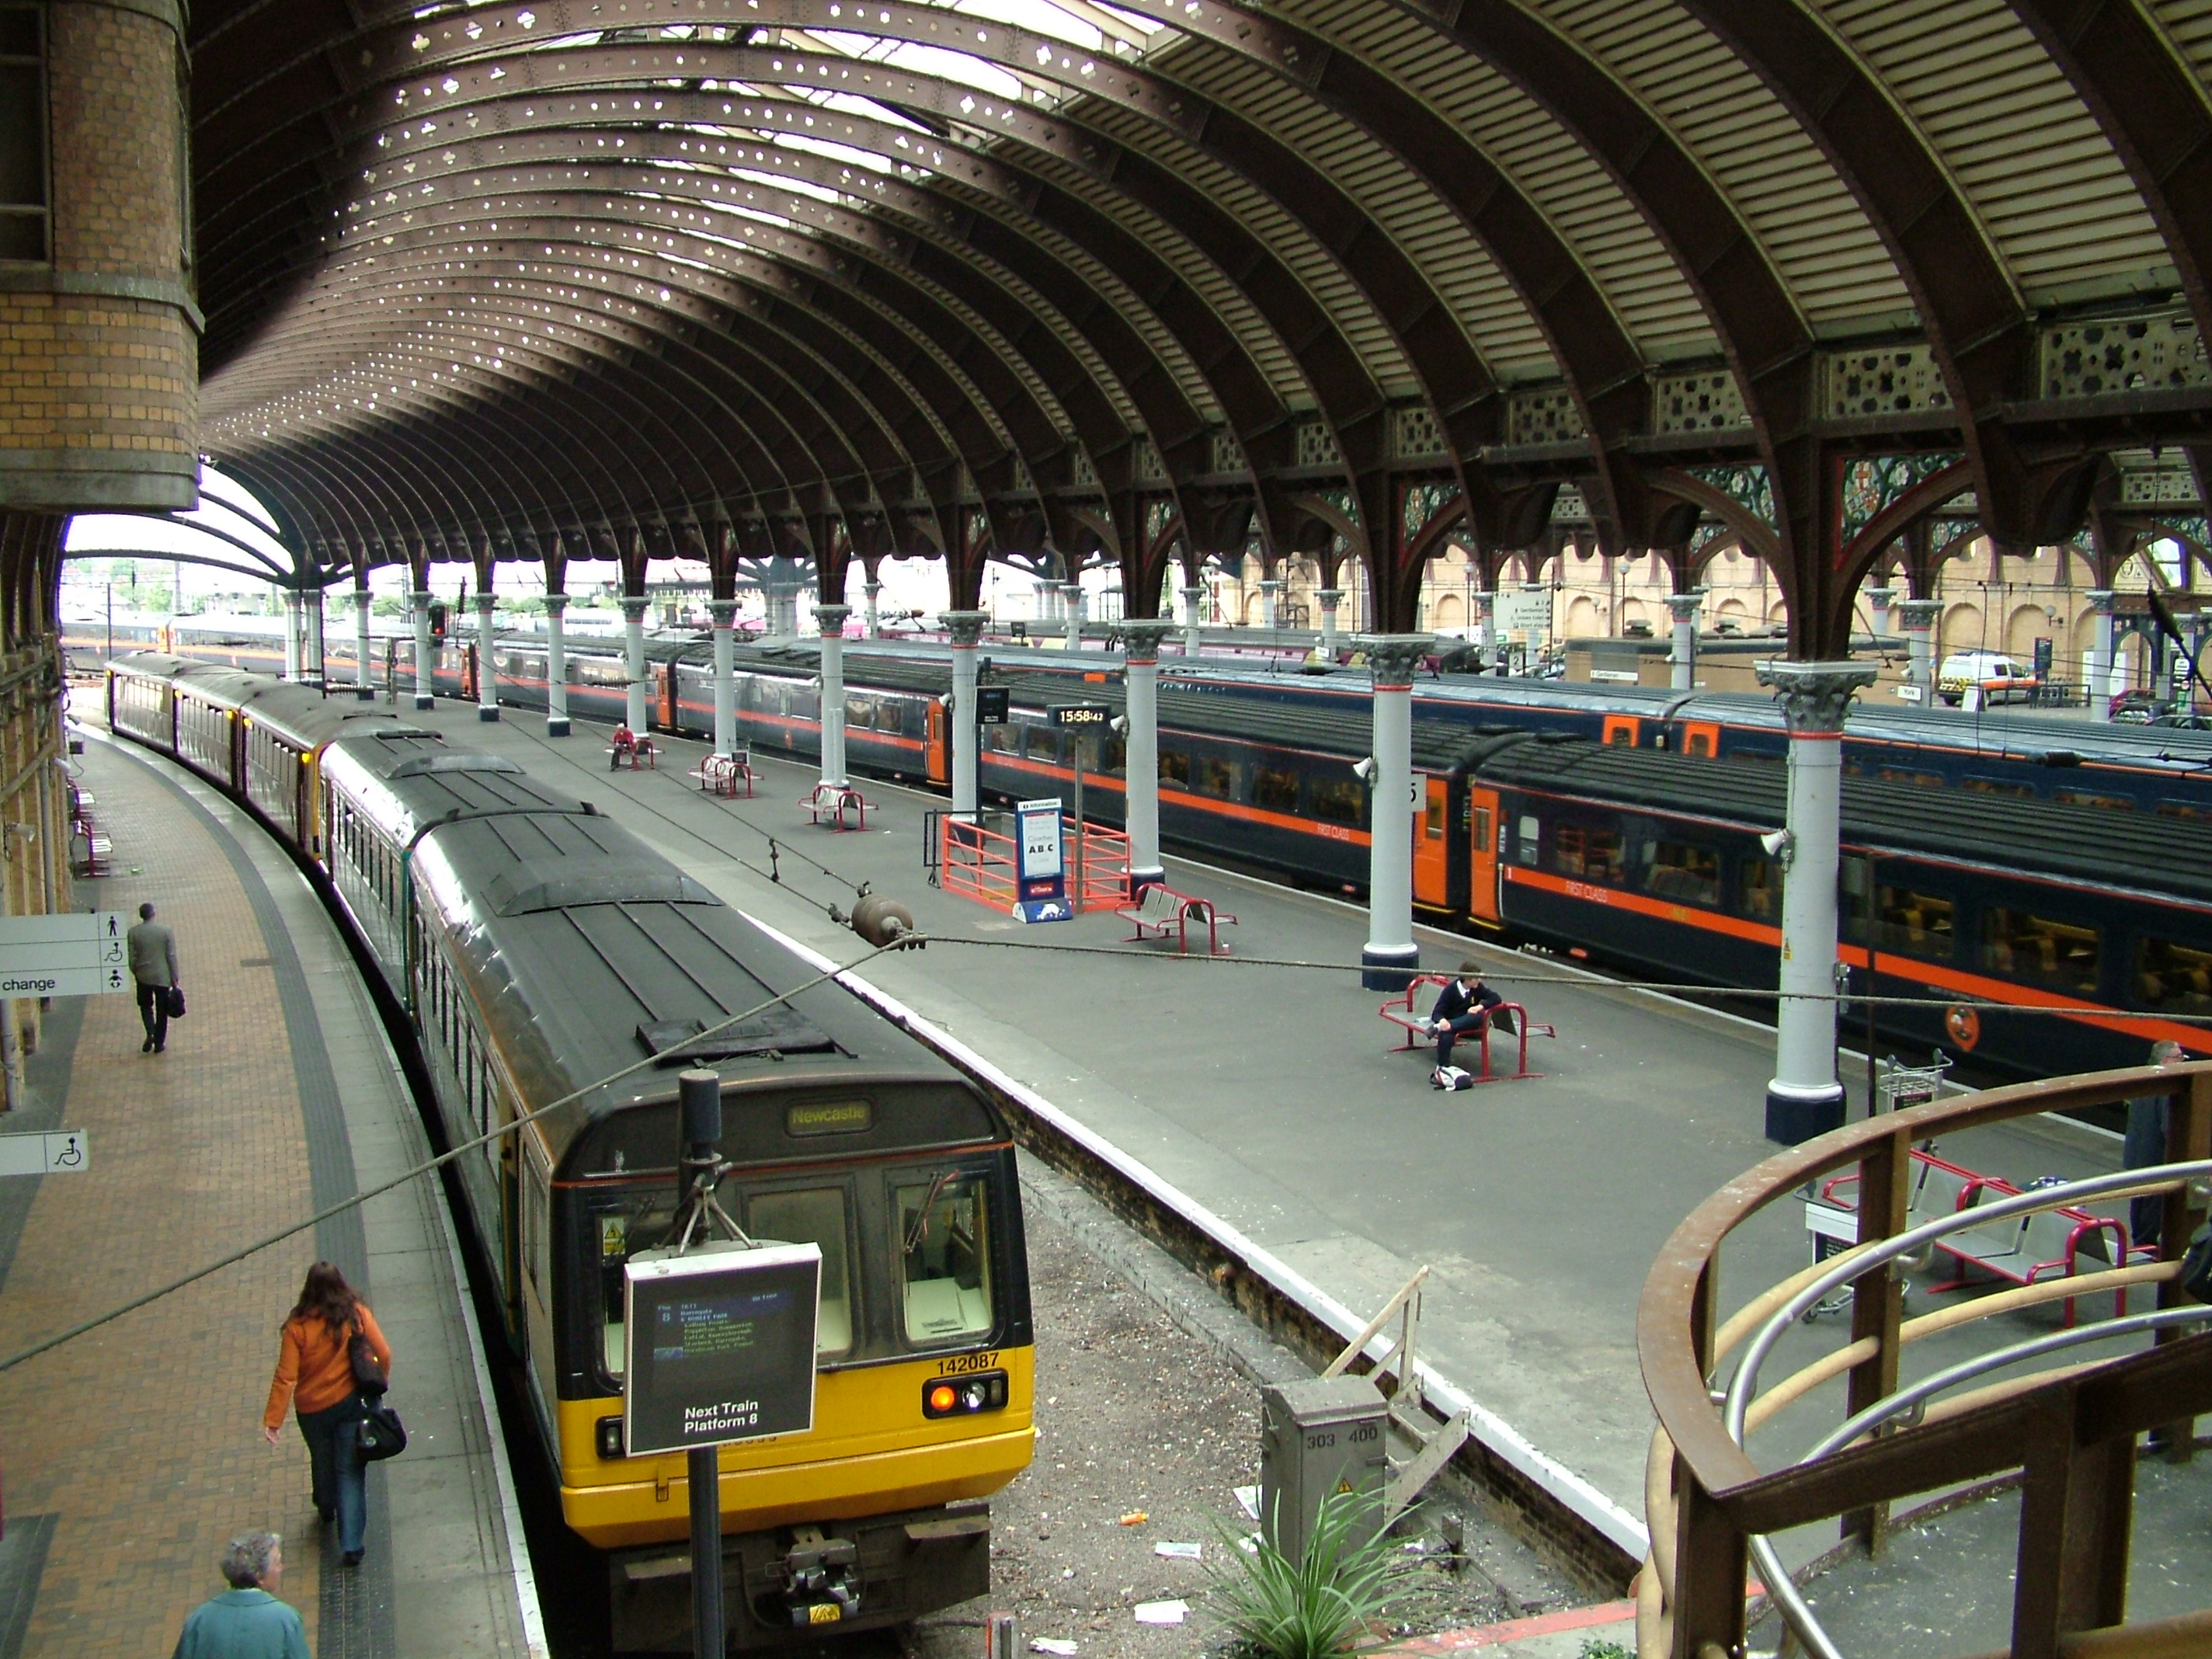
x,y
1482,855
1701,739
1622,729
668,695
1431,863
937,761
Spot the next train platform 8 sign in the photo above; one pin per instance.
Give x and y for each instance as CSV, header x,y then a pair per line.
x,y
718,1345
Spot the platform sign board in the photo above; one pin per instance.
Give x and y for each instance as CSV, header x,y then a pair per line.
x,y
52,1151
1040,862
1525,614
718,1345
76,954
992,704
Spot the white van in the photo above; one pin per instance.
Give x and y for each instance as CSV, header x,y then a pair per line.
x,y
1997,677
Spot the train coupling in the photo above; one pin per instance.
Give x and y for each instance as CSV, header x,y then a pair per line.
x,y
821,1578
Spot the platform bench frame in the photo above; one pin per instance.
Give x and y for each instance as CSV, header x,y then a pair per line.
x,y
1159,909
719,774
1418,1028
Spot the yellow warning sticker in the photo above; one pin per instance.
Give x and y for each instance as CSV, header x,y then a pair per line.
x,y
824,1613
1343,1487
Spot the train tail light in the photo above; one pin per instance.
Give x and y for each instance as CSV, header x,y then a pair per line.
x,y
964,1396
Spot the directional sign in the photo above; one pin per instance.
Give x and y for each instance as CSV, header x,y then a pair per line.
x,y
57,1152
77,954
720,1344
1080,715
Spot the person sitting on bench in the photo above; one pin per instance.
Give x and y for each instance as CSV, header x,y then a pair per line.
x,y
1462,1008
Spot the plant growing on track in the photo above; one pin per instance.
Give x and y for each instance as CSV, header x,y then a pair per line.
x,y
1312,1608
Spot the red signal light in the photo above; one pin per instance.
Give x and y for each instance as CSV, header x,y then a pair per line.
x,y
943,1398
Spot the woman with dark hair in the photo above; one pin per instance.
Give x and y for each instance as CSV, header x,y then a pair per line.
x,y
314,1371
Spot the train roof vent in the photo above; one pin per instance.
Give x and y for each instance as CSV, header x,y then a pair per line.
x,y
424,765
564,884
408,734
775,1030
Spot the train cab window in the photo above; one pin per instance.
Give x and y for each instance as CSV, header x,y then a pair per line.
x,y
1276,791
1758,893
944,1258
1592,854
1675,870
1336,800
2090,798
814,1217
1175,770
1214,777
2177,978
640,1224
2018,945
1914,923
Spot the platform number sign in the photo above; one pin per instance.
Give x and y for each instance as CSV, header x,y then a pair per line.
x,y
718,1345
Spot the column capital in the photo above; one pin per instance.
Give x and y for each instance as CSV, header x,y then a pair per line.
x,y
2101,600
1141,637
1919,613
484,602
364,598
1881,596
966,627
1328,597
556,604
1392,658
1684,607
634,607
721,613
1815,696
831,619
1267,583
422,596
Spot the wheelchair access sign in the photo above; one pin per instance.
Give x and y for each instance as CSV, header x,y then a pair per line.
x,y
1040,867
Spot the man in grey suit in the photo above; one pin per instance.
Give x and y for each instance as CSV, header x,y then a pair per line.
x,y
153,965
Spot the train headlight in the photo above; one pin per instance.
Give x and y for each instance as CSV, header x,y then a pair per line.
x,y
964,1396
611,1436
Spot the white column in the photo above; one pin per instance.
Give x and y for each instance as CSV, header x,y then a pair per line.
x,y
556,665
1804,1099
487,660
1878,600
2097,684
1328,599
1271,596
313,667
1047,601
871,592
424,696
291,635
1391,956
636,715
1684,607
364,683
831,619
965,628
1140,770
1071,596
1919,619
723,613
1194,611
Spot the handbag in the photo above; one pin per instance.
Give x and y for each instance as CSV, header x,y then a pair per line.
x,y
368,1372
378,1433
172,1001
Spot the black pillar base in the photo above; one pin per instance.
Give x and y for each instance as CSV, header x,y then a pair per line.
x,y
1388,970
1791,1119
484,714
557,728
422,701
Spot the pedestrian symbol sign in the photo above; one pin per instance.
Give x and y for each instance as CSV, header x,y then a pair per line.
x,y
80,953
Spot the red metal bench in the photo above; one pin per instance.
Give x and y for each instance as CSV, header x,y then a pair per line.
x,y
719,774
634,747
1418,1029
832,799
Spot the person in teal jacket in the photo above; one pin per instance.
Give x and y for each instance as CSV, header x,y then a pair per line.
x,y
246,1621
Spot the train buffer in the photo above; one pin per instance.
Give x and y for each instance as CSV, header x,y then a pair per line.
x,y
828,803
1398,1011
720,775
631,749
1160,909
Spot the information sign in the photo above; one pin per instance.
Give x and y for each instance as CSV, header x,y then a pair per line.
x,y
1041,863
991,704
1526,614
78,953
718,1345
55,1151
1082,716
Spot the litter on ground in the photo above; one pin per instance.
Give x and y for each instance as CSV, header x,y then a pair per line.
x,y
1178,1552
1161,1612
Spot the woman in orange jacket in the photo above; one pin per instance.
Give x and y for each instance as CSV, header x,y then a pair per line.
x,y
314,1372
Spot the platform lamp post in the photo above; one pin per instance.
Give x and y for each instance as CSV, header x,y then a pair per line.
x,y
1141,768
965,629
1684,607
831,619
1805,1099
1391,958
557,664
699,1095
1919,626
487,659
1328,599
424,696
2101,655
634,607
722,614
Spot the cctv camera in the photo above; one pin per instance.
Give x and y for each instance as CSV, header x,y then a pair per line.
x,y
1363,769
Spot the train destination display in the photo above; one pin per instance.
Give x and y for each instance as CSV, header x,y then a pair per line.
x,y
719,1344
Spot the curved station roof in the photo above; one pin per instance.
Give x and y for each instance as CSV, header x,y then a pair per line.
x,y
1069,282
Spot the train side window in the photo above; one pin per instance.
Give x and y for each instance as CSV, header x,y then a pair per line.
x,y
815,1216
1112,754
1276,791
2196,811
1593,854
534,1199
1003,739
944,1258
1996,787
1215,777
860,714
1432,818
1850,899
1904,775
1175,769
1916,924
2177,978
2088,797
1336,800
1676,870
2060,954
1757,892
1479,831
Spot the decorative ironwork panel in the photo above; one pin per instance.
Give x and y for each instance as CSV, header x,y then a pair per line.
x,y
1547,417
1083,472
2164,353
2155,486
1707,531
1424,501
1150,468
1707,402
1872,482
1023,481
1414,434
1900,379
1317,446
1228,453
1568,506
2190,528
1158,514
1342,501
1746,486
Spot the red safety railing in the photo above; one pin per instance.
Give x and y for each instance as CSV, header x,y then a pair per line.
x,y
978,862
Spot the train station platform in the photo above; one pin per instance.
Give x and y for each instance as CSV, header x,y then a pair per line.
x,y
132,1454
1261,1090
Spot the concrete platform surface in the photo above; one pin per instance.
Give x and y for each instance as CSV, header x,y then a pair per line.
x,y
134,1453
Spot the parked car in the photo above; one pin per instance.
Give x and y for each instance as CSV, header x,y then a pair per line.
x,y
1997,677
